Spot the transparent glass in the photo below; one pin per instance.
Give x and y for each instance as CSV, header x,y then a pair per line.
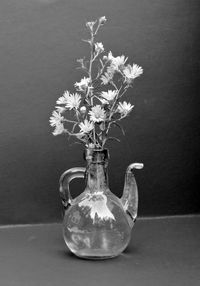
x,y
97,224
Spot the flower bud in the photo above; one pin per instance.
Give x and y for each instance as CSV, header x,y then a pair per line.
x,y
99,48
102,20
90,25
102,126
91,146
83,109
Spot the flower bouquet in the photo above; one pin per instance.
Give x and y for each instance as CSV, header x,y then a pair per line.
x,y
98,102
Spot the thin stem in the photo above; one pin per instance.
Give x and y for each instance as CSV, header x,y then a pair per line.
x,y
89,90
69,133
74,126
118,119
113,84
96,143
114,105
97,29
101,72
125,90
77,115
90,75
115,101
70,121
91,55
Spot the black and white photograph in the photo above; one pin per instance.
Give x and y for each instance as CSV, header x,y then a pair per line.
x,y
99,143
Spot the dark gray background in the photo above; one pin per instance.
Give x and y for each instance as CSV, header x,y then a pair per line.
x,y
40,41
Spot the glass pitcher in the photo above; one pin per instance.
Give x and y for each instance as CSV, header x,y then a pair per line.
x,y
97,224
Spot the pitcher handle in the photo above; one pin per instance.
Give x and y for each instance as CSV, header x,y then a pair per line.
x,y
65,179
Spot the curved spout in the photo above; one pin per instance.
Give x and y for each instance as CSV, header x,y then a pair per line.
x,y
129,198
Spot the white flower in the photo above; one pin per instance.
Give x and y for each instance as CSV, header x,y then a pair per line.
x,y
60,109
99,48
124,108
83,84
73,101
108,75
55,119
90,25
102,20
86,126
70,100
109,95
109,57
97,114
132,72
116,62
59,129
63,99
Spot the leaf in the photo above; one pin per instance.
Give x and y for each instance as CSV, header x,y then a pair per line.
x,y
87,41
113,138
74,127
120,127
102,65
98,72
76,142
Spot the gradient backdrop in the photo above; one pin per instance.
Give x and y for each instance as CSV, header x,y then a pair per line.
x,y
40,41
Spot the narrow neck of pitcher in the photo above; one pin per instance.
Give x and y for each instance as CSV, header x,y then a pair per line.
x,y
96,172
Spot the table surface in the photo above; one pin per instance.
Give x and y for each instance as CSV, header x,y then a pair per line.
x,y
163,251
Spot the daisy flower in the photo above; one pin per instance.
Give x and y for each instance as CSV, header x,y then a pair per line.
x,y
109,95
60,109
132,72
97,114
59,129
63,99
116,62
73,101
56,118
86,126
83,84
124,108
107,76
